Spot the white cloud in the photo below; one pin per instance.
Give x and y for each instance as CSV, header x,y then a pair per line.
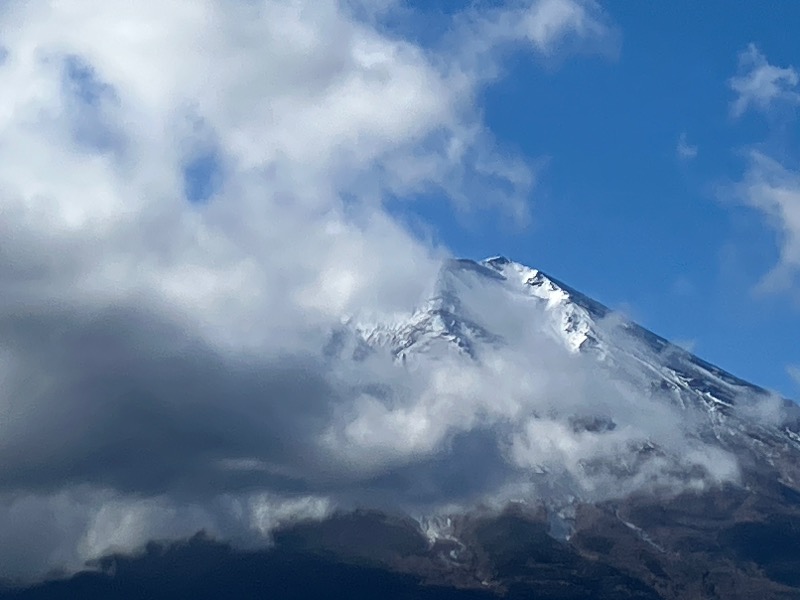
x,y
154,350
759,85
684,149
774,190
550,28
546,24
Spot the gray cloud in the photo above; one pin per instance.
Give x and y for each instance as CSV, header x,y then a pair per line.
x,y
129,400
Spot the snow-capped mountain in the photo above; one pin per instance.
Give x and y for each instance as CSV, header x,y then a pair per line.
x,y
578,322
709,542
560,534
465,315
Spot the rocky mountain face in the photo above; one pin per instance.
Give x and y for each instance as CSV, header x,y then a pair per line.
x,y
726,539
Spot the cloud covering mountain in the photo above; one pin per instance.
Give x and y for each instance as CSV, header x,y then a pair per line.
x,y
198,225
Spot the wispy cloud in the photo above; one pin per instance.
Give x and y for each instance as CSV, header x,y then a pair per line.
x,y
771,180
774,190
689,345
550,24
683,286
684,149
759,85
794,373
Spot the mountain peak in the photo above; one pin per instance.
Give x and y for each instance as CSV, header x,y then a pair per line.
x,y
481,307
496,260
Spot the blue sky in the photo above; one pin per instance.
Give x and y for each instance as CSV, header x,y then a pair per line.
x,y
618,210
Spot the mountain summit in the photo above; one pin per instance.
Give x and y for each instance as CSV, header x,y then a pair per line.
x,y
480,309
